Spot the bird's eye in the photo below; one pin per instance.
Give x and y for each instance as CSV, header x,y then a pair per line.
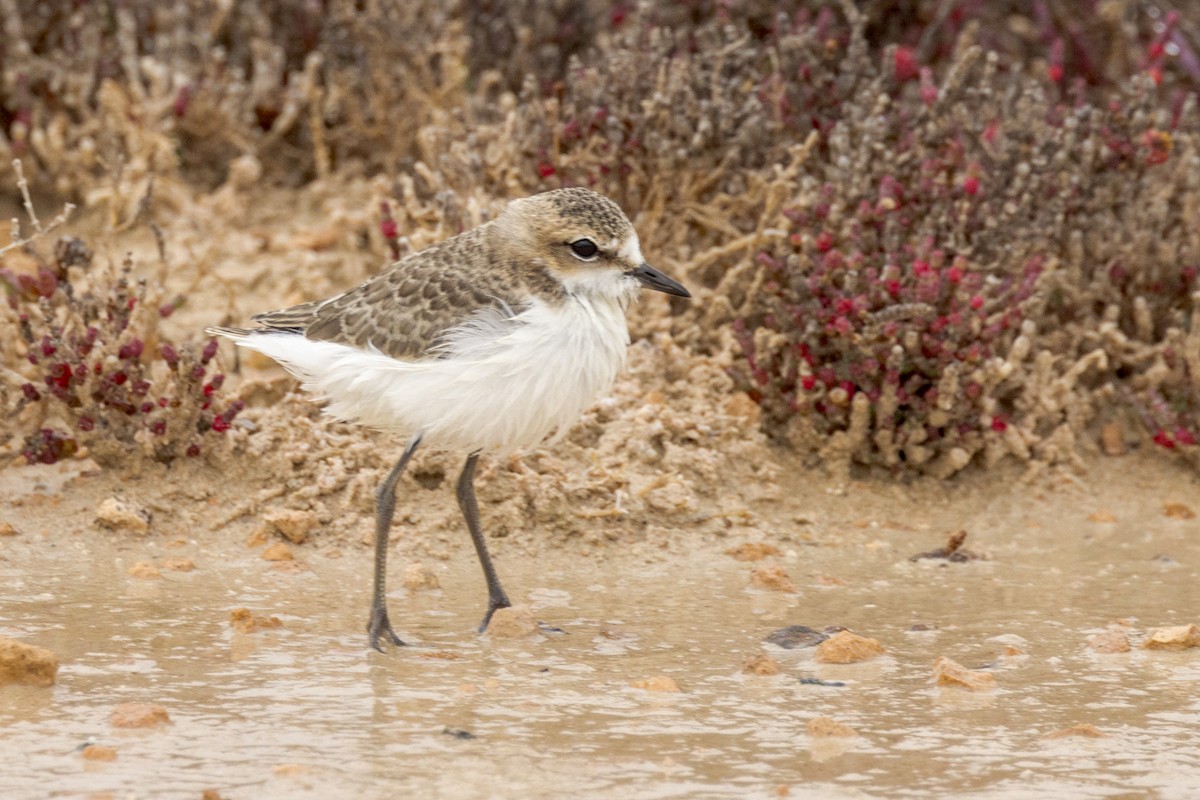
x,y
584,249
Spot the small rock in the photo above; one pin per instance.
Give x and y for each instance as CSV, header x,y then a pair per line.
x,y
1112,439
244,622
1083,729
8,529
418,577
1012,651
258,537
1178,511
1177,637
772,578
823,727
845,647
144,569
180,564
210,794
515,622
278,552
1103,516
752,551
293,525
659,683
1109,642
139,715
761,665
121,515
950,673
795,636
99,752
26,663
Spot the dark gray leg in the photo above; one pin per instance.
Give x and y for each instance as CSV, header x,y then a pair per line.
x,y
385,507
470,509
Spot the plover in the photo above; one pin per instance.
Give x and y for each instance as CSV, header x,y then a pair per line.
x,y
488,341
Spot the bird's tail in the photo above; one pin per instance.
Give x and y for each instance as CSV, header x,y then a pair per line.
x,y
236,334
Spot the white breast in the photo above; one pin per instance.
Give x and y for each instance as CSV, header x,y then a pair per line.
x,y
504,381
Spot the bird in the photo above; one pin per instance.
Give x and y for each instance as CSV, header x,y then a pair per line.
x,y
488,341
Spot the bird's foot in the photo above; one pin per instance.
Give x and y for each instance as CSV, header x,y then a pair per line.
x,y
379,627
494,605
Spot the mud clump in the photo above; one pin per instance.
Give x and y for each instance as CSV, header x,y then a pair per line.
x,y
752,551
293,525
772,578
26,663
1175,638
140,715
1178,511
827,727
761,665
145,570
278,552
515,622
120,515
846,647
951,674
419,577
659,683
242,621
1112,641
99,752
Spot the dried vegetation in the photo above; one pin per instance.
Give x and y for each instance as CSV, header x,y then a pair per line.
x,y
923,235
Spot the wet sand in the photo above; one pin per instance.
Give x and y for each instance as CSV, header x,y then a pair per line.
x,y
307,710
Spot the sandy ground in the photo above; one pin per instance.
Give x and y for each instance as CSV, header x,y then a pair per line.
x,y
625,535
647,692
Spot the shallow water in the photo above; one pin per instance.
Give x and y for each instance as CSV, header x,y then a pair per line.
x,y
309,711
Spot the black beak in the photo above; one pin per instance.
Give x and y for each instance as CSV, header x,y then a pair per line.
x,y
649,276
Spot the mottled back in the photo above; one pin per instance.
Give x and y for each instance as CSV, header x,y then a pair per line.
x,y
405,310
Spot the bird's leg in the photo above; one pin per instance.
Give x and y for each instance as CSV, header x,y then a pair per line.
x,y
385,507
470,509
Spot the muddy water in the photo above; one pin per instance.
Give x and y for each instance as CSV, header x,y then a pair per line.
x,y
308,711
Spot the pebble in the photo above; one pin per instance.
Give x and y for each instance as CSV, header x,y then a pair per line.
x,y
772,578
824,727
761,665
947,672
121,515
419,577
846,647
139,715
99,752
278,552
293,525
26,663
1176,637
659,683
515,622
1109,642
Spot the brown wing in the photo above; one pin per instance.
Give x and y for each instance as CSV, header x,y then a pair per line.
x,y
402,312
